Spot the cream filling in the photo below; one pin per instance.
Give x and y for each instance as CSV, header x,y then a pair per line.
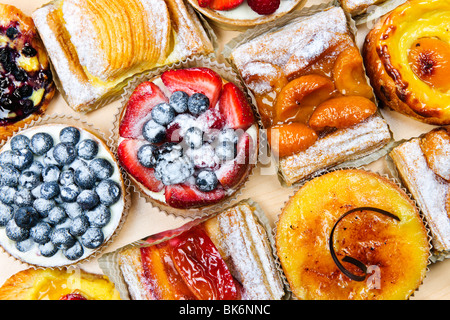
x,y
244,12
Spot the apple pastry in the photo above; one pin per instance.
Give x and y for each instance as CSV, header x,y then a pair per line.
x,y
309,84
352,234
407,57
96,46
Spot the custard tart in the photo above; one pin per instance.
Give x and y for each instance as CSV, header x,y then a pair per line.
x,y
26,81
96,46
352,234
407,57
308,80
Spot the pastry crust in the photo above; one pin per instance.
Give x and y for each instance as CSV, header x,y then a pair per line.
x,y
12,16
94,57
390,69
357,7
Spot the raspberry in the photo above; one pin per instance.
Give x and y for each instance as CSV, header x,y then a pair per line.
x,y
264,7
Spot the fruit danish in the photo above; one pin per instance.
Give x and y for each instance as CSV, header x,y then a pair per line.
x,y
26,82
352,234
95,46
311,92
58,284
226,257
357,7
188,139
407,57
423,165
62,195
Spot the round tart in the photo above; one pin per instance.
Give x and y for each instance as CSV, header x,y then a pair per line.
x,y
58,284
188,139
239,14
26,82
61,195
407,57
352,234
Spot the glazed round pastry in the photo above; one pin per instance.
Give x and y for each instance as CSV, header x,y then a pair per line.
x,y
188,139
61,195
26,82
407,57
240,14
352,234
58,284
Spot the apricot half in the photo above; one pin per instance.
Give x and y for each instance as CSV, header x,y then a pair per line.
x,y
429,59
341,112
289,138
349,75
299,97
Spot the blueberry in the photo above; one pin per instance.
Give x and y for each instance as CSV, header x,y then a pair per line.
x,y
108,191
69,135
69,193
99,216
23,91
88,199
26,217
169,151
48,249
36,167
22,159
50,173
49,190
25,245
64,153
12,33
6,157
72,209
10,175
84,177
20,74
92,238
102,168
62,238
147,155
49,159
226,150
193,137
23,198
174,172
6,214
16,233
75,252
206,181
67,177
87,149
7,194
163,114
29,180
57,215
79,225
153,132
43,206
40,233
198,103
29,51
179,101
41,142
20,142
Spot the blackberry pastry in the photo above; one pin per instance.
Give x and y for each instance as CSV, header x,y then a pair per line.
x,y
26,82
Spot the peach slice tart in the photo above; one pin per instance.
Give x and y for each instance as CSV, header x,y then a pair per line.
x,y
188,138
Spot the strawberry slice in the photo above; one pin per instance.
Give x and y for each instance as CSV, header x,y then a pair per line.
x,y
235,107
127,156
141,102
184,196
232,172
204,3
202,267
223,5
194,80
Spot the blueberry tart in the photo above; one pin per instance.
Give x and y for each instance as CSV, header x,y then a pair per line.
x,y
26,82
62,196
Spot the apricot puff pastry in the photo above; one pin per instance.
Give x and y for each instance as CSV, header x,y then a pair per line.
x,y
95,46
423,164
225,257
311,92
407,57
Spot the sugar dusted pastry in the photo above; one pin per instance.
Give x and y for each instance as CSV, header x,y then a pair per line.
x,y
308,80
357,7
95,46
228,257
407,57
352,234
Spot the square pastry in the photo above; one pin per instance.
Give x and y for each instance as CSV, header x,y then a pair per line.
x,y
309,83
96,46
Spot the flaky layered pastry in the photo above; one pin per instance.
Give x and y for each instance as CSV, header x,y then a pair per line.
x,y
357,7
95,46
407,57
423,165
311,92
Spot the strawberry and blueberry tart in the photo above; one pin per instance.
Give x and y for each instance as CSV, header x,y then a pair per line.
x,y
188,139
